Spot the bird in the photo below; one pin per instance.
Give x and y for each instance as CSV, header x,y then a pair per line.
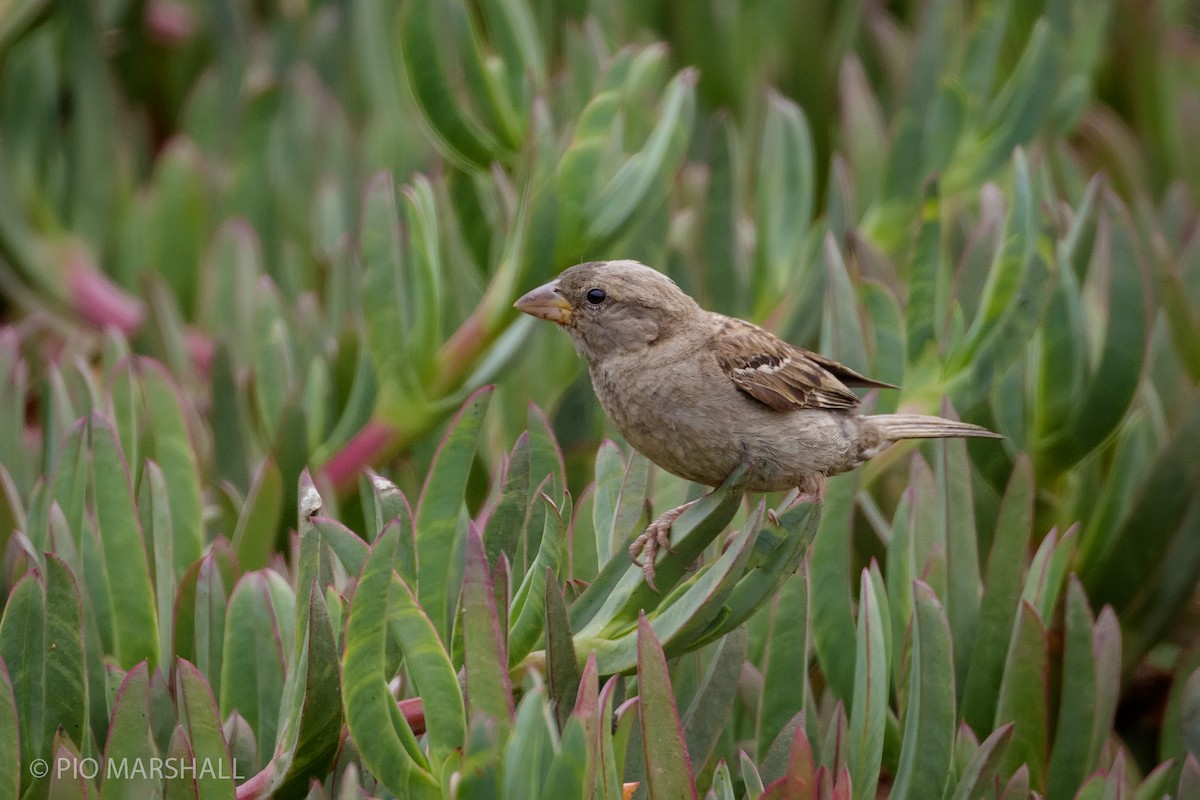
x,y
700,393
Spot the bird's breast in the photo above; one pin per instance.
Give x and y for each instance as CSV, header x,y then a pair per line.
x,y
693,422
675,417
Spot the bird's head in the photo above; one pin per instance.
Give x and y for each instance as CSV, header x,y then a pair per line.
x,y
612,307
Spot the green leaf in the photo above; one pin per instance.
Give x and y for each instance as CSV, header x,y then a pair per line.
x,y
956,522
171,448
68,773
925,312
1006,317
65,673
785,186
668,764
312,708
977,776
135,623
384,740
562,664
254,662
432,673
505,521
129,739
619,508
1015,113
832,619
781,550
1023,695
346,545
211,604
1001,597
154,511
682,621
1047,571
612,601
437,42
529,753
868,711
438,512
1111,386
712,704
22,632
787,652
841,326
929,712
259,519
914,124
1071,759
10,745
198,715
644,179
527,615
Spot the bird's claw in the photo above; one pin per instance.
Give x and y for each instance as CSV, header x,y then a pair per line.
x,y
657,536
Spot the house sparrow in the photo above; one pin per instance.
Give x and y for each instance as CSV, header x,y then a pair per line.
x,y
699,393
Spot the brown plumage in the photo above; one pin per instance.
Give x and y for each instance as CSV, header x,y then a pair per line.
x,y
700,393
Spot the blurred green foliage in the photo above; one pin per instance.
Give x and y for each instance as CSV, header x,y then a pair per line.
x,y
246,244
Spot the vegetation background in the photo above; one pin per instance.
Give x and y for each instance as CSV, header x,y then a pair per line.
x,y
249,250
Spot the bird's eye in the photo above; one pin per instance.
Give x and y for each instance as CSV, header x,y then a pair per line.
x,y
596,296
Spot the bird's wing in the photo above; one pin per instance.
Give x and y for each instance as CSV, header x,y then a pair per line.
x,y
781,375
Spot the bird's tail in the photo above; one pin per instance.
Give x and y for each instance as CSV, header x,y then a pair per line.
x,y
919,426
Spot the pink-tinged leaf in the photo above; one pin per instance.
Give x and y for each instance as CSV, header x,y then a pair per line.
x,y
198,714
129,736
184,785
70,776
800,780
10,736
1018,786
1107,651
587,711
1189,779
611,764
775,761
485,660
982,766
843,787
100,301
668,765
1023,696
561,661
371,445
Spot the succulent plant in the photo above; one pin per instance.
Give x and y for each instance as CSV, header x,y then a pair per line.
x,y
279,517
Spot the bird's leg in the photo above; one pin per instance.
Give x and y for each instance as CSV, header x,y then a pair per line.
x,y
810,490
656,535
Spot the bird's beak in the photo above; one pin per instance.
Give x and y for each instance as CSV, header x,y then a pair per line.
x,y
546,303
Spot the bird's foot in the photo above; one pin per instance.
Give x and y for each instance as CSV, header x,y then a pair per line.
x,y
812,490
657,535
